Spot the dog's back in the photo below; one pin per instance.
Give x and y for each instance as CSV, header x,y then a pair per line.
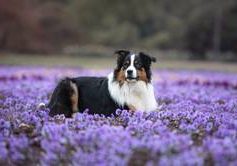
x,y
92,94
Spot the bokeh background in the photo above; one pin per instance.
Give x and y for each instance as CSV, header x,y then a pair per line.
x,y
86,32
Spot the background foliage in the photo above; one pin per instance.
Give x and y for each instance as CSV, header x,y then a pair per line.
x,y
46,26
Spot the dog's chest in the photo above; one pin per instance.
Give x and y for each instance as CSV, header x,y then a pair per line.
x,y
139,95
134,94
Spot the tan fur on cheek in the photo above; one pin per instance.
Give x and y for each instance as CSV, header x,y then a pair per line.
x,y
142,75
120,77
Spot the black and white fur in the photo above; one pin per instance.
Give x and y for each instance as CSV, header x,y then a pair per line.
x,y
128,87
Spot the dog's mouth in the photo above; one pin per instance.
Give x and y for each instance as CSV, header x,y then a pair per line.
x,y
131,79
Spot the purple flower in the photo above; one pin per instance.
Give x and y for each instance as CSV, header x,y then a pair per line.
x,y
195,124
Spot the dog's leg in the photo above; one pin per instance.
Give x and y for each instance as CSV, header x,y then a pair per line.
x,y
74,97
64,99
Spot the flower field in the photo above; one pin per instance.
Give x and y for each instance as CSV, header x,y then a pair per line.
x,y
196,123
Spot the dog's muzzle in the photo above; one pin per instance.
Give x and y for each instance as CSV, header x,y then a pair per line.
x,y
131,76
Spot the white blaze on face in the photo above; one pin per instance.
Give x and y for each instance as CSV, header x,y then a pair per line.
x,y
131,67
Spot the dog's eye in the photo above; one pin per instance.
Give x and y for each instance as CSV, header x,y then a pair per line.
x,y
137,64
126,64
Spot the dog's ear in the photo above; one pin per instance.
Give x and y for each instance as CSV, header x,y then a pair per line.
x,y
121,55
147,59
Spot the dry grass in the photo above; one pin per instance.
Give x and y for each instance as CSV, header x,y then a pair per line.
x,y
109,62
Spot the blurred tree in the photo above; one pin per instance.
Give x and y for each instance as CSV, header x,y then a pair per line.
x,y
32,26
205,27
198,26
20,30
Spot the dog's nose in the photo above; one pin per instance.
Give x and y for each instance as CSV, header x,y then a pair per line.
x,y
129,72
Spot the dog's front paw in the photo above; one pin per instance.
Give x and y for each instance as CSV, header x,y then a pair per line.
x,y
131,108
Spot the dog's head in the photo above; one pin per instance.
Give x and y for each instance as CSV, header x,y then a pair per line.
x,y
133,67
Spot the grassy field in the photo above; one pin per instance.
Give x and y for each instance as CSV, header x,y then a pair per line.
x,y
109,62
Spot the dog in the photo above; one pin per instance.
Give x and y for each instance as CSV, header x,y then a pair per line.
x,y
127,87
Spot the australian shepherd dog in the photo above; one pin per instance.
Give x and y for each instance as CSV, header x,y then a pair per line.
x,y
127,87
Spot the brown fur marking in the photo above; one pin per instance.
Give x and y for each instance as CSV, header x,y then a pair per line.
x,y
74,97
142,75
120,77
